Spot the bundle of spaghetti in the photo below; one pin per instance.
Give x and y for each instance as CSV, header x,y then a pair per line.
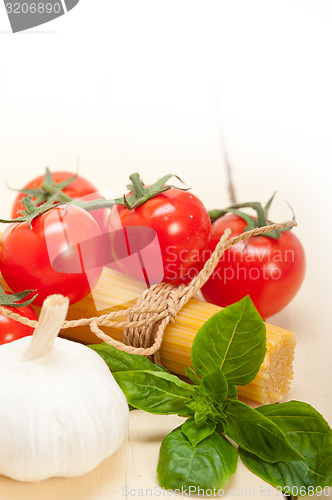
x,y
116,291
164,320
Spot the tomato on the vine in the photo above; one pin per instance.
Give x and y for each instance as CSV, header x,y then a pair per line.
x,y
162,238
17,303
60,253
269,270
43,187
11,329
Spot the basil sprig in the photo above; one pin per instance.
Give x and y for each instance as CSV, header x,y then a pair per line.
x,y
289,445
310,435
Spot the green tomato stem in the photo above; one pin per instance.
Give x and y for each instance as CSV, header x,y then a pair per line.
x,y
260,221
137,185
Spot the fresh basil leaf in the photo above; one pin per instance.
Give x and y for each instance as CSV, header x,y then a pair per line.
x,y
155,391
311,436
221,427
232,392
214,384
293,477
257,434
119,361
192,375
197,432
208,465
233,340
199,408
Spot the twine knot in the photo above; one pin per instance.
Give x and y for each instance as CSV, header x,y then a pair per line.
x,y
162,297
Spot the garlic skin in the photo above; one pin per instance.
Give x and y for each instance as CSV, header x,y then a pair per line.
x,y
61,413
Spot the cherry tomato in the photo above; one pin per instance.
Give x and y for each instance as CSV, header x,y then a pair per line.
x,y
269,270
78,188
61,253
162,239
12,330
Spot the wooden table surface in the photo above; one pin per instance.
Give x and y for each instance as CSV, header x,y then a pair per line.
x,y
159,105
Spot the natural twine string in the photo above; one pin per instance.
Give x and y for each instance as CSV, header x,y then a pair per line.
x,y
144,323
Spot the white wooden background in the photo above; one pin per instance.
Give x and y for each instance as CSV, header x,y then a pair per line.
x,y
149,86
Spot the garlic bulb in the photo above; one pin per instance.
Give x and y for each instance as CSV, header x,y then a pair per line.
x,y
61,411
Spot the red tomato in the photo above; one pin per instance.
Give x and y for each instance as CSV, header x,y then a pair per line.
x,y
12,330
269,270
62,253
162,239
78,188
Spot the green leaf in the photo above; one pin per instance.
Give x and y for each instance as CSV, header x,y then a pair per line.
x,y
233,340
192,375
311,436
197,432
201,408
208,465
214,384
155,391
232,392
119,361
257,434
